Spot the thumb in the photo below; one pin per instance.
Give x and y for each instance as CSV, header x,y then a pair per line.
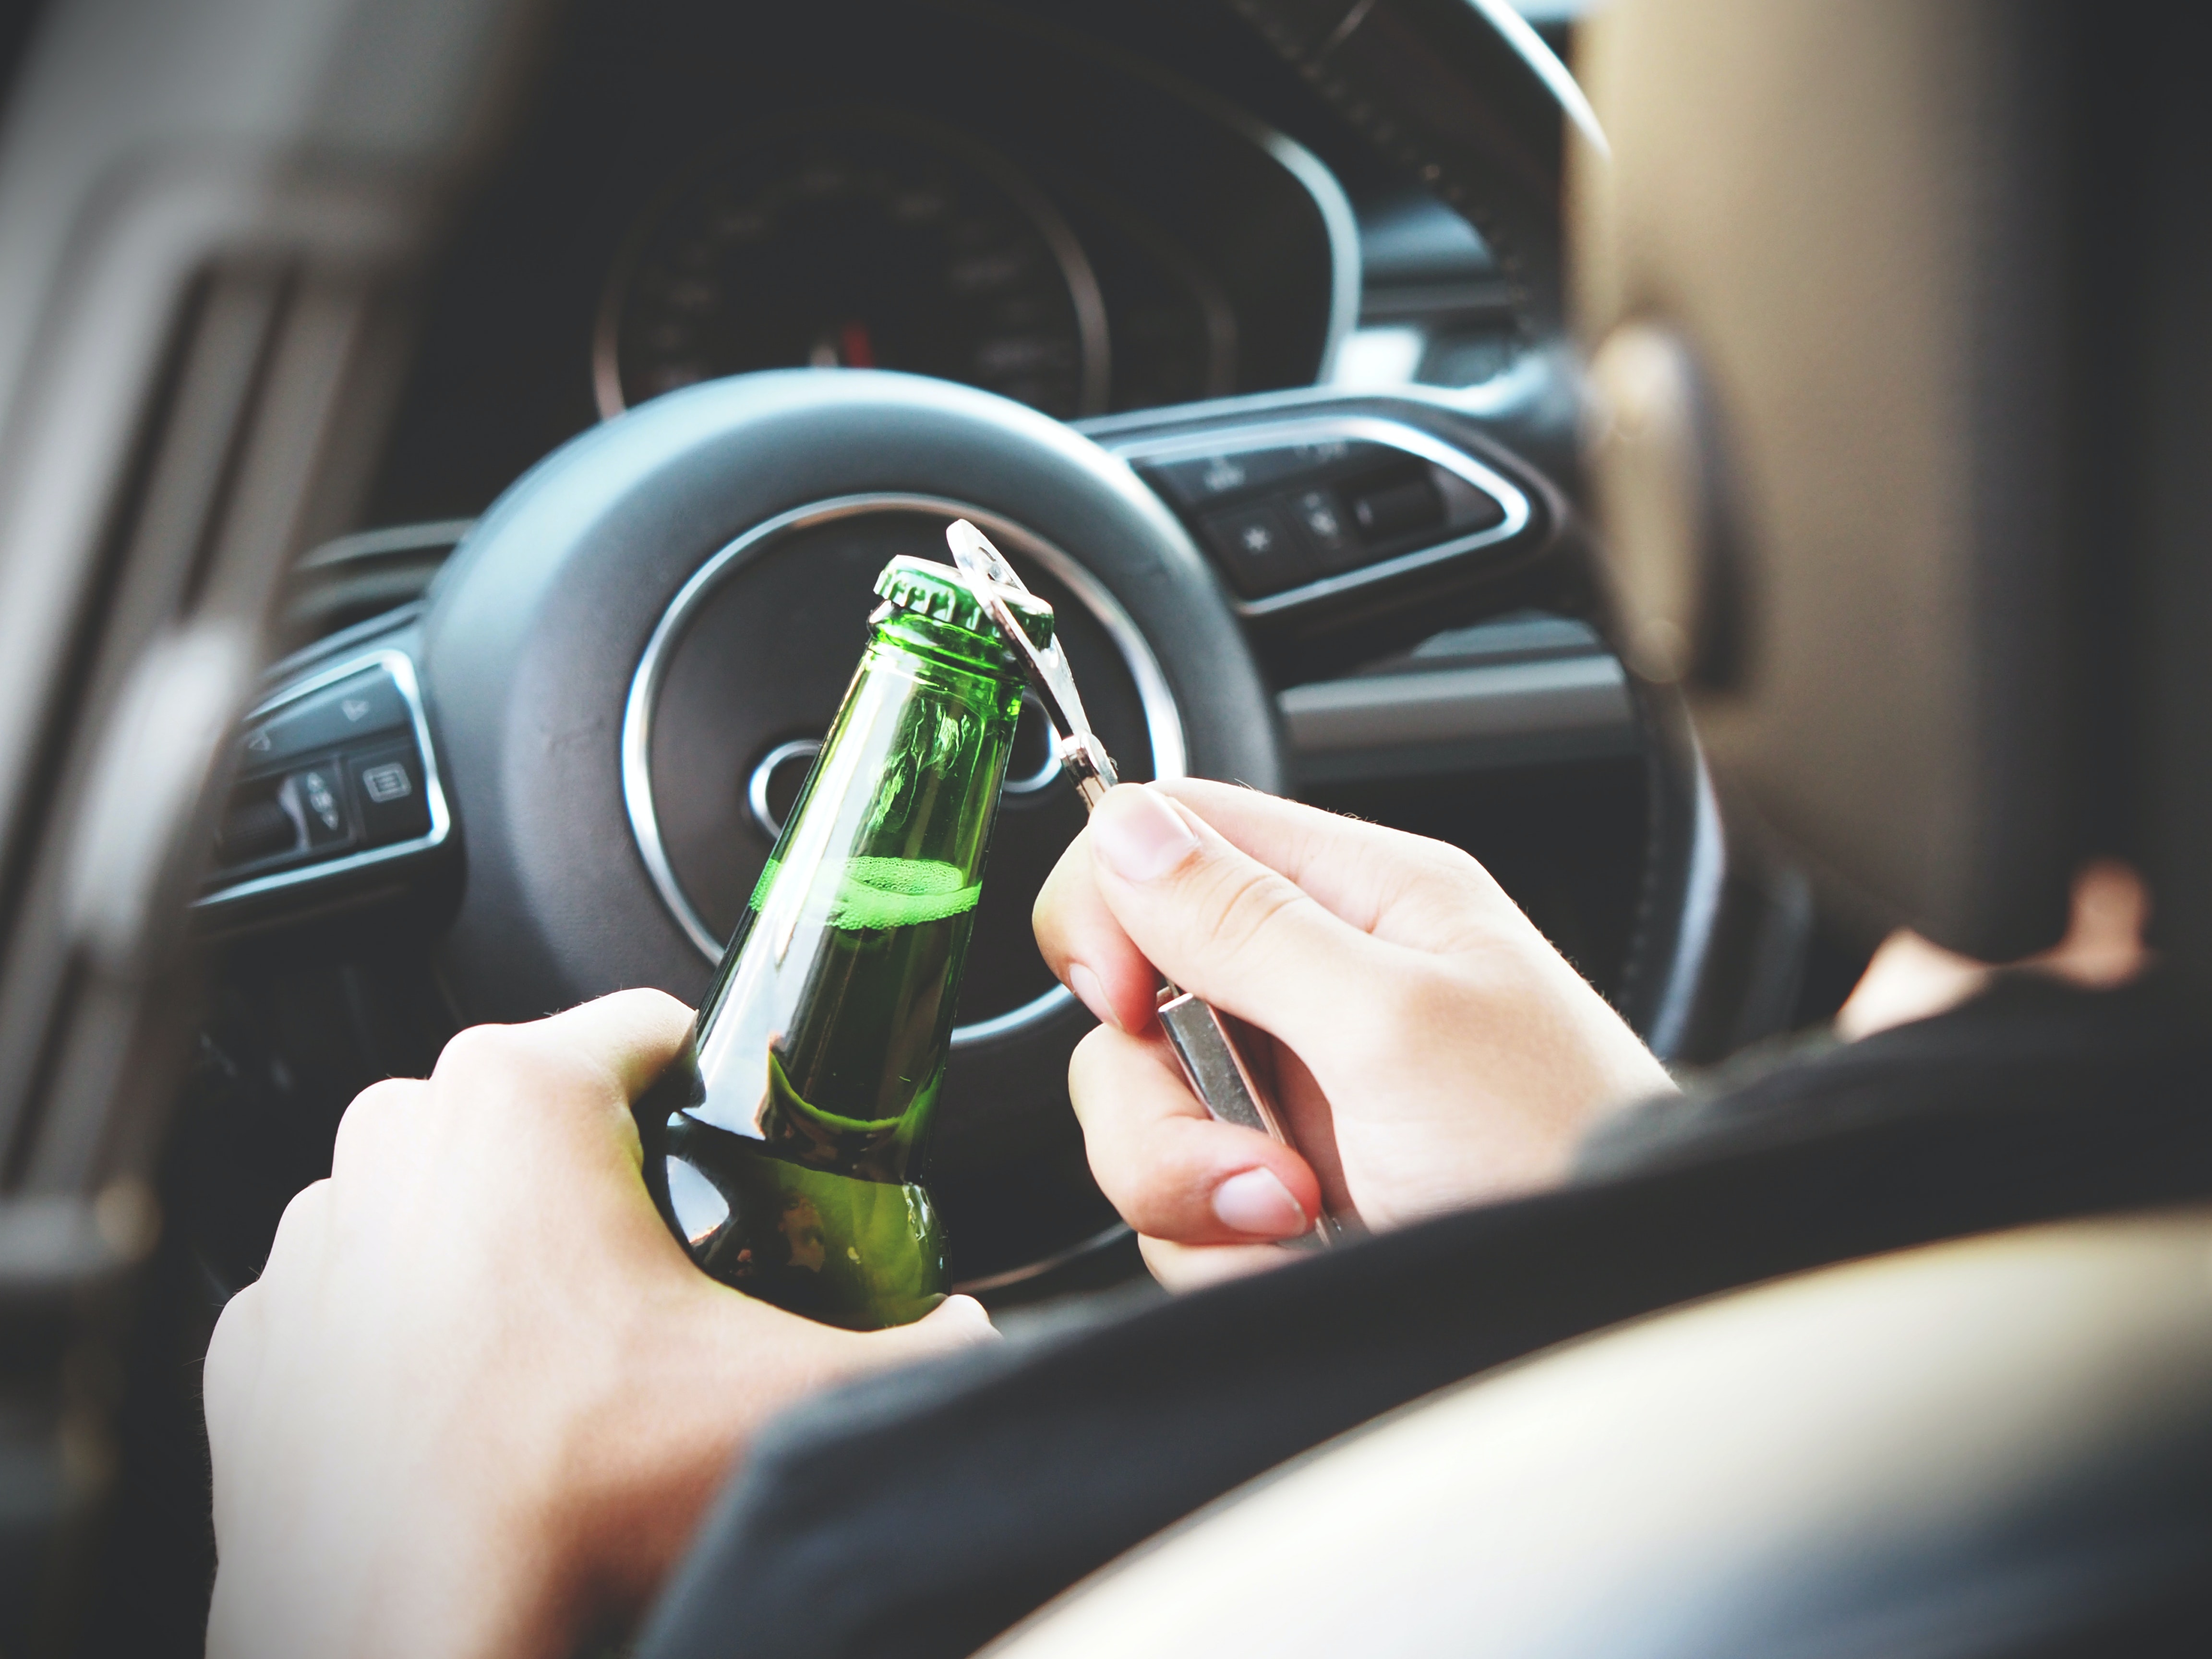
x,y
956,1323
1218,922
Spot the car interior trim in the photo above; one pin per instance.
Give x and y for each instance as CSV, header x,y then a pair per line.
x,y
401,667
425,538
1704,878
1574,702
1339,221
1323,428
1036,1011
1485,400
383,625
1103,1239
1337,217
1162,719
1545,65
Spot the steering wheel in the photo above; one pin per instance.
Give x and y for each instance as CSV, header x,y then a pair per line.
x,y
594,723
626,660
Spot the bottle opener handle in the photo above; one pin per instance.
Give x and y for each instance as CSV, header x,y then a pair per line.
x,y
1214,1066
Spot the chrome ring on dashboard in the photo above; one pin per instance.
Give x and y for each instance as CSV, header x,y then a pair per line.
x,y
1162,720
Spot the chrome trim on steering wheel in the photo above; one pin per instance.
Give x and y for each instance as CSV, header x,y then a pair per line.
x,y
1162,720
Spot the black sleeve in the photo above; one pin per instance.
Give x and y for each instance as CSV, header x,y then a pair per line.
x,y
923,1513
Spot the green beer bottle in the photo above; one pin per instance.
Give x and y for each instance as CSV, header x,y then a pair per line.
x,y
784,1145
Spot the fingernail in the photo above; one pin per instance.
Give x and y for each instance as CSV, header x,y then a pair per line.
x,y
1091,993
1256,1202
1139,836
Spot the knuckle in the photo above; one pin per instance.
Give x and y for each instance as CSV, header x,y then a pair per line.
x,y
1464,900
384,1096
233,1352
496,1067
1165,1190
305,1203
1442,861
1240,910
1093,1071
232,1326
366,1121
478,1049
641,1018
1160,1208
650,1002
295,1228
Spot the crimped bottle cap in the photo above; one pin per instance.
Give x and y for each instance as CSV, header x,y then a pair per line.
x,y
939,591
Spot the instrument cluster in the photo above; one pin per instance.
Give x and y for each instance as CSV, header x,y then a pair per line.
x,y
1089,239
868,239
962,194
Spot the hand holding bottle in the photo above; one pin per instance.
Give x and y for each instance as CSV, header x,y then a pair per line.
x,y
480,1395
1430,1049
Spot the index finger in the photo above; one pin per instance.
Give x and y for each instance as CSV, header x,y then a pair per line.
x,y
1409,890
1404,889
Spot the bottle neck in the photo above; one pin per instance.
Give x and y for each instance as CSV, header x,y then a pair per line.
x,y
946,643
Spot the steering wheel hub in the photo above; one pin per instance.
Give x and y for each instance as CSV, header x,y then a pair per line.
x,y
753,654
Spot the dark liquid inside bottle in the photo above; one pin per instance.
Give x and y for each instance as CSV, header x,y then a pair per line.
x,y
817,1215
846,1251
784,1145
845,1082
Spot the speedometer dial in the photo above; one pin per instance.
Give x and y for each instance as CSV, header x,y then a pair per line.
x,y
864,243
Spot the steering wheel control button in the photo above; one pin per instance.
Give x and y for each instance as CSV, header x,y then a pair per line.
x,y
1365,498
388,785
256,827
1206,480
316,793
1320,519
1261,550
333,776
1468,509
365,705
1391,509
387,782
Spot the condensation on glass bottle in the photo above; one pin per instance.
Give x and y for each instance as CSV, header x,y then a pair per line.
x,y
784,1147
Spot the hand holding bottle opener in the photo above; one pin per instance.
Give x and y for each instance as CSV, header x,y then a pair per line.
x,y
1211,1063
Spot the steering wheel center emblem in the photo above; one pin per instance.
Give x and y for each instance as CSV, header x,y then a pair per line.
x,y
778,775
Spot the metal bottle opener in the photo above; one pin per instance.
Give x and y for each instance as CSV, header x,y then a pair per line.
x,y
1211,1063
